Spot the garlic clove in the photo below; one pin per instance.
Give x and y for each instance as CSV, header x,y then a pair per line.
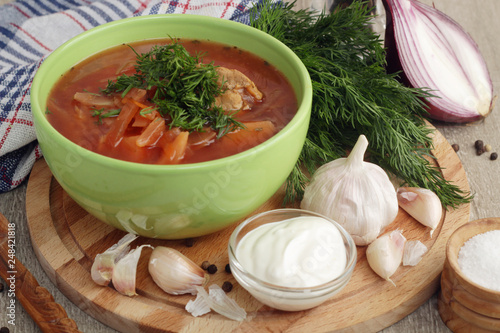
x,y
385,254
422,204
125,271
174,272
218,301
104,263
102,269
413,253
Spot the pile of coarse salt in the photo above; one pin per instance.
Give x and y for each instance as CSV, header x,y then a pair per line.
x,y
479,259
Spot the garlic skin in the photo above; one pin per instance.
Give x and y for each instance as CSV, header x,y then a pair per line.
x,y
358,195
422,204
413,252
217,300
104,263
198,307
385,254
125,272
174,273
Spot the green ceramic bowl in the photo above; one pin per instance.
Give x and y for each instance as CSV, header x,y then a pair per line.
x,y
172,201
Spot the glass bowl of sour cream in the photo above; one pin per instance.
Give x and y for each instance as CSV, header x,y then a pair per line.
x,y
291,259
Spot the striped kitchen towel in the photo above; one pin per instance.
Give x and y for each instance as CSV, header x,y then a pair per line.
x,y
32,29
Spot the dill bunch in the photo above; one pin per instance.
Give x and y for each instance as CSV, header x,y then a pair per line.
x,y
352,95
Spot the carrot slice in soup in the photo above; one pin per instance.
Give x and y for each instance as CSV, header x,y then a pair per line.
x,y
117,130
152,133
170,135
133,152
174,151
142,119
127,113
202,139
254,133
139,104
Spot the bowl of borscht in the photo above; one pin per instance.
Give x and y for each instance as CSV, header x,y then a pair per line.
x,y
171,126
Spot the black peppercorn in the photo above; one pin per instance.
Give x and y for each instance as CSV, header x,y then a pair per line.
x,y
480,151
189,242
4,330
493,156
227,269
455,147
212,269
205,265
479,144
227,286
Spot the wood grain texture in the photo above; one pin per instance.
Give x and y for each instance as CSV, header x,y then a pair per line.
x,y
481,21
463,305
36,300
66,239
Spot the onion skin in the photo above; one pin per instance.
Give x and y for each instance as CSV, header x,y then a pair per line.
x,y
449,115
435,53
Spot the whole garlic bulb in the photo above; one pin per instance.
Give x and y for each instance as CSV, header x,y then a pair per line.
x,y
356,194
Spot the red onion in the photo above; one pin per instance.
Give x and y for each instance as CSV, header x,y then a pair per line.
x,y
436,53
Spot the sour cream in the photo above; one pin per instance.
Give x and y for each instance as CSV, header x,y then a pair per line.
x,y
300,252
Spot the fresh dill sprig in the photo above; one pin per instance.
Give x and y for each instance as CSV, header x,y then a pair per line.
x,y
103,113
352,95
147,110
91,93
185,88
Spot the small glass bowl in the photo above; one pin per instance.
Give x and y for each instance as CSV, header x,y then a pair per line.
x,y
287,298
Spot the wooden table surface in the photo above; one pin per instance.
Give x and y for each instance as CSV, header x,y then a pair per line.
x,y
480,19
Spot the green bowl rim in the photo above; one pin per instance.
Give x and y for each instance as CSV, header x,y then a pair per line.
x,y
301,115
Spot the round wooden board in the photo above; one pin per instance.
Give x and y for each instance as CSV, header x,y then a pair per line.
x,y
66,239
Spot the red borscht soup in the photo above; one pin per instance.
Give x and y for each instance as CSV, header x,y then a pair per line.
x,y
102,105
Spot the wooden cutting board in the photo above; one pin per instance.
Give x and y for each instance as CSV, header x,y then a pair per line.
x,y
66,239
